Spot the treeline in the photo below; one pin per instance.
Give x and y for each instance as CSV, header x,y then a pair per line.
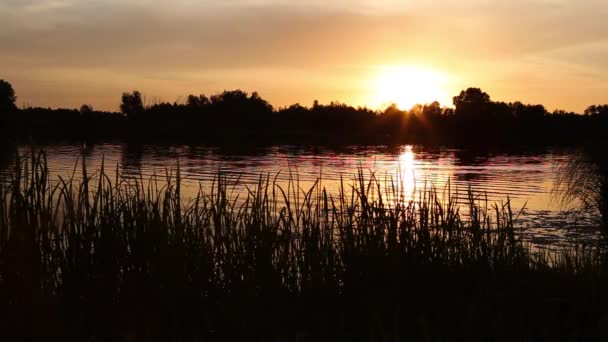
x,y
237,116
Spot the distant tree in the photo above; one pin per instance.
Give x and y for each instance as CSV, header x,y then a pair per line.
x,y
7,97
259,104
229,96
597,110
295,115
239,103
517,108
472,102
392,110
197,101
296,107
86,109
528,112
447,112
393,119
498,111
471,96
132,104
561,112
432,111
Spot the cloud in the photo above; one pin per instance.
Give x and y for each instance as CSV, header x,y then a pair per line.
x,y
102,32
151,39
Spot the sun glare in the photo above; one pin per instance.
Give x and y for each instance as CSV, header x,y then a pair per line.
x,y
408,86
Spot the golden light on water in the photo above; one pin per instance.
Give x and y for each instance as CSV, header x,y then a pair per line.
x,y
407,86
415,178
407,173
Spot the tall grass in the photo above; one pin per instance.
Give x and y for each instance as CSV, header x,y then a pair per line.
x,y
108,257
583,181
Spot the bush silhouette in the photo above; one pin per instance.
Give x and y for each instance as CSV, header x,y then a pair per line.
x,y
132,104
7,97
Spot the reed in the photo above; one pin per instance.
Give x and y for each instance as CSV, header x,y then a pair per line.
x,y
106,257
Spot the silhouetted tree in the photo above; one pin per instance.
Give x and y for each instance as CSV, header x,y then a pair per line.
x,y
132,104
471,95
475,119
472,102
431,112
239,103
561,112
86,109
295,109
7,97
528,112
197,101
393,121
230,97
599,110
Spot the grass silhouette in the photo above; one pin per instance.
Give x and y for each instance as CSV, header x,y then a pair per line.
x,y
115,258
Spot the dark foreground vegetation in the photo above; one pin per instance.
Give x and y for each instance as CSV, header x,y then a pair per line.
x,y
234,116
584,180
113,258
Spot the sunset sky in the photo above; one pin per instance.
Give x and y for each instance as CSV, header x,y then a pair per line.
x,y
63,53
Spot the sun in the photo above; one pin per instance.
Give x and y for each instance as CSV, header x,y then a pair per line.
x,y
407,86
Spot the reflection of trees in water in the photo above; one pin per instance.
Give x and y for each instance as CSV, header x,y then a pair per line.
x,y
87,150
467,158
131,156
479,156
471,157
8,152
583,181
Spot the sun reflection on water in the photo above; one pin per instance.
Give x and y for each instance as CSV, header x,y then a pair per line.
x,y
407,173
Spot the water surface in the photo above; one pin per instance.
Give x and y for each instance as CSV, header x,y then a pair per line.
x,y
525,178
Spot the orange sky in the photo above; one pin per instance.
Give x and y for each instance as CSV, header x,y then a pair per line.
x,y
63,53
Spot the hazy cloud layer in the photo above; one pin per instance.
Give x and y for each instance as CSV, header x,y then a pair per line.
x,y
293,51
